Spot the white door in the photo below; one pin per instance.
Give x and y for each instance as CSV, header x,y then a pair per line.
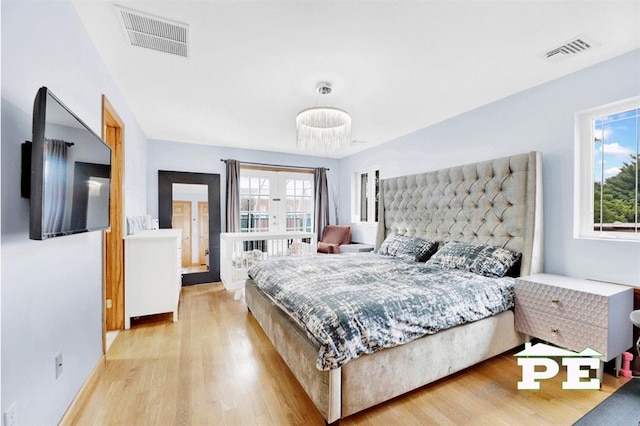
x,y
276,201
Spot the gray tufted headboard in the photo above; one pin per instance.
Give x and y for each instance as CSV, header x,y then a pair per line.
x,y
496,202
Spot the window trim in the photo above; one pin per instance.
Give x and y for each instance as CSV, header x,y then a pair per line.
x,y
583,172
371,193
249,173
282,181
277,187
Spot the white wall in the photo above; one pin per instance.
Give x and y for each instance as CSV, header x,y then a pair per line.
x,y
538,119
52,290
181,157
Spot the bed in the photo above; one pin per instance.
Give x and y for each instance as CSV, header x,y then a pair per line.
x,y
493,203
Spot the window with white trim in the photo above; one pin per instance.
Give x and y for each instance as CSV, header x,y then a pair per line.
x,y
608,186
367,188
255,202
299,203
276,201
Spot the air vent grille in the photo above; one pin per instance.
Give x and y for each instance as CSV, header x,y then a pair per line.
x,y
155,33
571,48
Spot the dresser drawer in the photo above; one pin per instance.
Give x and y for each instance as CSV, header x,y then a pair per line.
x,y
581,306
565,332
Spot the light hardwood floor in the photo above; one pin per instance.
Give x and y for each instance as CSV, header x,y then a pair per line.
x,y
215,366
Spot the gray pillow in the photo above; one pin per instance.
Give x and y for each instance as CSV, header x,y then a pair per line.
x,y
490,261
409,248
456,255
494,261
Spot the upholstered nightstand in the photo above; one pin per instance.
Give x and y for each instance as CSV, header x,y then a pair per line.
x,y
635,319
575,314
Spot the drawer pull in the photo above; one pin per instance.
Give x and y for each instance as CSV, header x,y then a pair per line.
x,y
554,330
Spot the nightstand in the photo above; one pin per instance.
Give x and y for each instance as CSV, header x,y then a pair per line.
x,y
635,319
575,314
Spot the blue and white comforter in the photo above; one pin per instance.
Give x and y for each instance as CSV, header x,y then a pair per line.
x,y
354,304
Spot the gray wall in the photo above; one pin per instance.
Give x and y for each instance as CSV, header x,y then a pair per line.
x,y
538,119
181,157
52,290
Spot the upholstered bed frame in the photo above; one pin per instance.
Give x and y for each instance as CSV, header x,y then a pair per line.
x,y
496,202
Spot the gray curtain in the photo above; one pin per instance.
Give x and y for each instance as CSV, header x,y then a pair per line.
x,y
55,189
321,198
233,196
382,230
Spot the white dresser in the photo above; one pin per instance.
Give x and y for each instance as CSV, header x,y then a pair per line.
x,y
575,313
152,276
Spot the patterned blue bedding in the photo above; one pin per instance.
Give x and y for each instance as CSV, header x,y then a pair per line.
x,y
358,303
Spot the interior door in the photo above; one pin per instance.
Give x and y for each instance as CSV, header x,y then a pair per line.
x,y
203,231
181,219
113,286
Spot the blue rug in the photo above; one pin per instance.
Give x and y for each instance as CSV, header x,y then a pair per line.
x,y
622,408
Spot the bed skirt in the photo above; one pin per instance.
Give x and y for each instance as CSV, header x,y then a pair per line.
x,y
372,379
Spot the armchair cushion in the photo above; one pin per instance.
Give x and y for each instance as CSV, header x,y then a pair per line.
x,y
328,248
332,237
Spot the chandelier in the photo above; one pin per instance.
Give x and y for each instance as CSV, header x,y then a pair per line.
x,y
323,130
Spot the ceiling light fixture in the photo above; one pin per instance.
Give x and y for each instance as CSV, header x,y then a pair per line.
x,y
323,130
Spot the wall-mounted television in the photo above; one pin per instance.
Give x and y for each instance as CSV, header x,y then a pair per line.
x,y
70,174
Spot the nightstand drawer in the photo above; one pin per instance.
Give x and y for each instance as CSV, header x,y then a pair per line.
x,y
565,332
582,306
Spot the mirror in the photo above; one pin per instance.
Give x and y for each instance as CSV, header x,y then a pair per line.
x,y
90,195
199,217
191,214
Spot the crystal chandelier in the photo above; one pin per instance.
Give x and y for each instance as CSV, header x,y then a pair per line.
x,y
323,130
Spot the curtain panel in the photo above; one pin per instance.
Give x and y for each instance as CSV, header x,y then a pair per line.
x,y
321,198
55,189
233,196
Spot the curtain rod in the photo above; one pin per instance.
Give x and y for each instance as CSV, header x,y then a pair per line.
x,y
272,165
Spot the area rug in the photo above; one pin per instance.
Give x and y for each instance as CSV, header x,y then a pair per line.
x,y
621,408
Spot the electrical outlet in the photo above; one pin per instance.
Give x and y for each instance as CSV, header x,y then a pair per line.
x,y
109,303
10,416
58,365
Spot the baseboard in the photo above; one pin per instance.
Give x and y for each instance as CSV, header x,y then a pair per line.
x,y
81,398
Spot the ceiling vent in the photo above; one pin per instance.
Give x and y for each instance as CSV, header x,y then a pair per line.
x,y
155,33
571,48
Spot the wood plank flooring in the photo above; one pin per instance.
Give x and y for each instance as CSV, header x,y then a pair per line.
x,y
215,366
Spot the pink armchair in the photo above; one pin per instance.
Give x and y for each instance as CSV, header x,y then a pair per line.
x,y
333,237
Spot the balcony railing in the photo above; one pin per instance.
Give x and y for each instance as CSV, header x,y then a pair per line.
x,y
241,250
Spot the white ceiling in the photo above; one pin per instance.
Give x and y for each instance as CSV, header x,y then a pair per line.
x,y
395,66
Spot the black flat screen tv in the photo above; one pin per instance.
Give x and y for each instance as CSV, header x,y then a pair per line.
x,y
70,174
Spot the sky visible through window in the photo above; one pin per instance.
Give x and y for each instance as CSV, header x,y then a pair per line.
x,y
616,142
616,139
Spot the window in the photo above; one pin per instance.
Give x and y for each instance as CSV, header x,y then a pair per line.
x,y
276,201
608,186
299,204
367,185
254,203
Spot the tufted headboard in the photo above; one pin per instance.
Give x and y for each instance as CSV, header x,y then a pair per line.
x,y
496,202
